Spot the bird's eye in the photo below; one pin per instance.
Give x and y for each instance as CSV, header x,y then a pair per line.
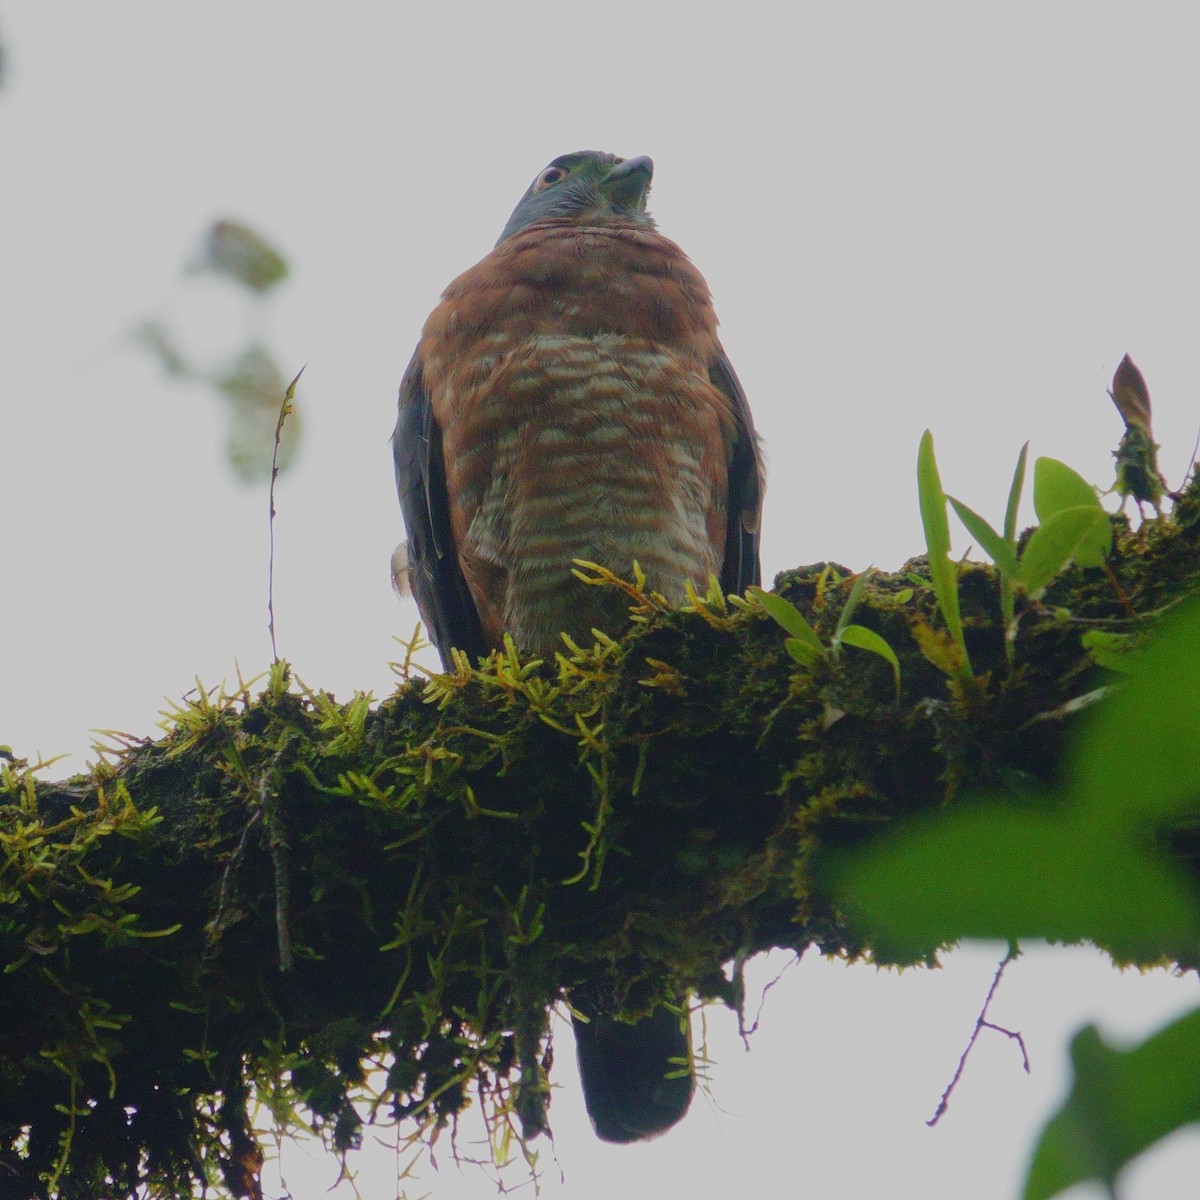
x,y
550,176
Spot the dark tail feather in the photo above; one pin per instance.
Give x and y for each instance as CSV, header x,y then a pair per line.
x,y
637,1079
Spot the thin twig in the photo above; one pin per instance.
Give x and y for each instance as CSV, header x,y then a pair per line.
x,y
981,1022
747,1033
1015,1036
285,410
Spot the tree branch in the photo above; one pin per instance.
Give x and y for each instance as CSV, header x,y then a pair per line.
x,y
284,892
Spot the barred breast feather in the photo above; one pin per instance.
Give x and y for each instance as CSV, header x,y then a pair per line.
x,y
568,373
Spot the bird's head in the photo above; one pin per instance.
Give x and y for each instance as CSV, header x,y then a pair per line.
x,y
586,187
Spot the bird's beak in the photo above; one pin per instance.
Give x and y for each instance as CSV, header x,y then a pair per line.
x,y
628,182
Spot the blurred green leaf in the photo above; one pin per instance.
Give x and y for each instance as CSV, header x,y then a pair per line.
x,y
1121,1103
237,251
251,382
1084,866
1138,764
254,386
162,343
994,871
253,379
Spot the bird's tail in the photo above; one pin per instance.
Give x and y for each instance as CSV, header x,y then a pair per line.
x,y
638,1078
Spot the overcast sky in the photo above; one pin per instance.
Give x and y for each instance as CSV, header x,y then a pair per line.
x,y
910,216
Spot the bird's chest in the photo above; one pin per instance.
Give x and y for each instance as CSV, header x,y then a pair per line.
x,y
562,300
585,361
602,449
575,429
577,421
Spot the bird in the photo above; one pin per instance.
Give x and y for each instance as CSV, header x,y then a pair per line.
x,y
569,399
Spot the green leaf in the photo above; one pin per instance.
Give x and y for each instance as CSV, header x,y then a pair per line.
x,y
805,653
1087,867
1096,545
868,639
852,602
1008,582
994,546
1014,499
1082,533
943,572
789,617
1056,486
998,871
1114,651
1058,490
1138,764
1121,1103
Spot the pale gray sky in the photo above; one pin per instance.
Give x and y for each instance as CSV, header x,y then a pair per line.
x,y
909,216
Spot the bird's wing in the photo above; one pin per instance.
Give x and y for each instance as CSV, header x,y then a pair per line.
x,y
741,567
434,572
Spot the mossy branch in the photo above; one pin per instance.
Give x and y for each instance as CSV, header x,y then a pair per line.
x,y
285,893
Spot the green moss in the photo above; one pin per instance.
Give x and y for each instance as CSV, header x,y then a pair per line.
x,y
285,892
